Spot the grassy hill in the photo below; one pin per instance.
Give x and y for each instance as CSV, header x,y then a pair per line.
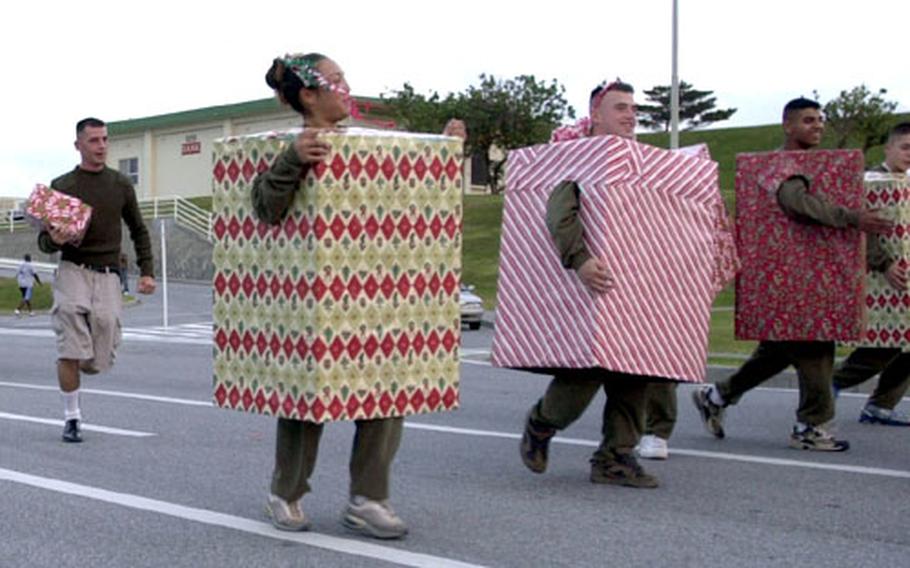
x,y
725,143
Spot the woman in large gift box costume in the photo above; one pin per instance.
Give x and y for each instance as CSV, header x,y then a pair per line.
x,y
315,86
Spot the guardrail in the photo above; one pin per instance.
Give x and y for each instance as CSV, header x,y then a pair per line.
x,y
183,211
13,264
11,220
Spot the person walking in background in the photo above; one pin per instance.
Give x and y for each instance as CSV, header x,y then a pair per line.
x,y
26,277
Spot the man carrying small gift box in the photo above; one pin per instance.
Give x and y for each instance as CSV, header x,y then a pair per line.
x,y
893,364
87,298
570,392
803,126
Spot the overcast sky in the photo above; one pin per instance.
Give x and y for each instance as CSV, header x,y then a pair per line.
x,y
126,59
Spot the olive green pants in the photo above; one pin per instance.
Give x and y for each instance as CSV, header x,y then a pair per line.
x,y
866,362
374,448
814,362
570,393
660,409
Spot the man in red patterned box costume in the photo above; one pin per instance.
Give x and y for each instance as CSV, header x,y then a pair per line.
x,y
803,126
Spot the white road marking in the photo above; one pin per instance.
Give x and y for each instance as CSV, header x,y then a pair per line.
x,y
137,396
514,436
153,335
901,474
87,427
250,526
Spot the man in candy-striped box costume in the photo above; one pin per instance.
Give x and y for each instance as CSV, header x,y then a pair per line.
x,y
608,266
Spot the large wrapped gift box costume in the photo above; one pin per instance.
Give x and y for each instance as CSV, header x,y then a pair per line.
x,y
798,281
51,209
349,308
655,218
888,309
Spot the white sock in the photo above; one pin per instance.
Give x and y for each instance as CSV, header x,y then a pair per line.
x,y
71,405
714,396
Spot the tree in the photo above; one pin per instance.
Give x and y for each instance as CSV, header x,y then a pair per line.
x,y
696,108
507,114
420,113
859,113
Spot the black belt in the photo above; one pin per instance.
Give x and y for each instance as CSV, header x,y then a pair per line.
x,y
101,269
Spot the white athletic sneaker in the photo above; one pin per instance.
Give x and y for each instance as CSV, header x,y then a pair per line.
x,y
652,448
286,516
375,518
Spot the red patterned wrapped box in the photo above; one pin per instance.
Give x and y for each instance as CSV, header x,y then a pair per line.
x,y
798,281
51,209
655,218
888,309
349,308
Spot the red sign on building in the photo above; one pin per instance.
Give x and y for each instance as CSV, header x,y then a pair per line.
x,y
194,147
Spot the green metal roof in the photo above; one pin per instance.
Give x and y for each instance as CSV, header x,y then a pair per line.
x,y
218,113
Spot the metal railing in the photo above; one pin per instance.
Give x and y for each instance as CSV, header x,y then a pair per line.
x,y
184,212
11,221
13,264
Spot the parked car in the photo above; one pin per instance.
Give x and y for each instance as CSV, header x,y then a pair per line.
x,y
471,307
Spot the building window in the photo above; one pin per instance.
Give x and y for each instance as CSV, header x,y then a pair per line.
x,y
130,168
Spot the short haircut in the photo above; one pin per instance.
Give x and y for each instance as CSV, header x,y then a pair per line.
x,y
86,122
600,90
898,130
798,104
27,257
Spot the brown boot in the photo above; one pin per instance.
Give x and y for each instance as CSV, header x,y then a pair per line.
x,y
621,469
535,445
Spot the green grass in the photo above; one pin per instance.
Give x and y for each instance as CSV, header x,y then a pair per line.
x,y
203,201
725,143
480,247
42,296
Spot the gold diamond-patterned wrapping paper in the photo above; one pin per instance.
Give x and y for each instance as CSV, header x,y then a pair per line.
x,y
347,309
888,309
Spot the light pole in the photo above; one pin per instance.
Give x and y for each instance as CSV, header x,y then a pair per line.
x,y
674,88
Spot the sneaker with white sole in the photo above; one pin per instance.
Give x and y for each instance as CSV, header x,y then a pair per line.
x,y
375,518
816,439
712,415
873,414
652,447
286,516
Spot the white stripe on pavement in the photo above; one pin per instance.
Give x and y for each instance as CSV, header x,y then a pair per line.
x,y
131,334
568,441
137,396
87,427
214,518
901,474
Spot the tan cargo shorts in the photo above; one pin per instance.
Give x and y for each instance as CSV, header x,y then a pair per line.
x,y
86,316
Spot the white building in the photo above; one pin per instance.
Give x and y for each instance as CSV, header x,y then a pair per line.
x,y
171,154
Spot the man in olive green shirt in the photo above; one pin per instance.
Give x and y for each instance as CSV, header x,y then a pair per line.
x,y
803,127
87,298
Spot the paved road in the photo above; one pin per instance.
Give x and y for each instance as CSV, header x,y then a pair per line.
x,y
167,480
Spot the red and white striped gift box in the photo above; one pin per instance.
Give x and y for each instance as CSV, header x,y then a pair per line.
x,y
652,216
